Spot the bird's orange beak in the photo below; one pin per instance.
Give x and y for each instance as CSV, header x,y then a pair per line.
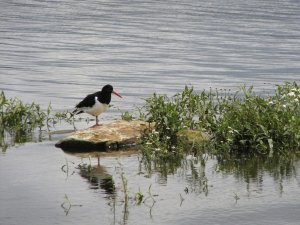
x,y
117,94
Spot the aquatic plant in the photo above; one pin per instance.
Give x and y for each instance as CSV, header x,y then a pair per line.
x,y
139,197
16,115
127,199
238,123
127,116
253,124
162,144
124,186
18,119
67,205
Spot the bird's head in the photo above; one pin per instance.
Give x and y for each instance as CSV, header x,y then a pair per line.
x,y
108,88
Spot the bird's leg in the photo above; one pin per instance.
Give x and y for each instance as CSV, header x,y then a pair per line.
x,y
97,121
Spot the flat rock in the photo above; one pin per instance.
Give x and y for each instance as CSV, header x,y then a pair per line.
x,y
116,135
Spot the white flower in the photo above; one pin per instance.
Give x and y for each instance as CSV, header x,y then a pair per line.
x,y
291,94
284,106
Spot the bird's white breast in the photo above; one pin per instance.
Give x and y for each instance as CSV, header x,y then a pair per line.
x,y
96,109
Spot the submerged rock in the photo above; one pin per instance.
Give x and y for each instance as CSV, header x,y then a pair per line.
x,y
112,136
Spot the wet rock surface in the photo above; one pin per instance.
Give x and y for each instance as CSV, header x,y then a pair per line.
x,y
116,135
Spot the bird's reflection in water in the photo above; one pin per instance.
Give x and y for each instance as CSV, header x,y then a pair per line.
x,y
98,178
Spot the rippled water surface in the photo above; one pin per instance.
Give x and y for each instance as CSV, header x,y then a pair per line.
x,y
59,51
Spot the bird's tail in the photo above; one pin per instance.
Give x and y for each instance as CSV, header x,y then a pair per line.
x,y
75,112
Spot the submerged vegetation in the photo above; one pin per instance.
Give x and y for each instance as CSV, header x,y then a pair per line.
x,y
240,123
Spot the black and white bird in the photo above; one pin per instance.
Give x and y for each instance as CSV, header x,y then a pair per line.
x,y
96,103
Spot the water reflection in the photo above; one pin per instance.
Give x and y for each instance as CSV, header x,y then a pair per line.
x,y
11,138
162,167
193,171
200,175
254,169
98,177
197,170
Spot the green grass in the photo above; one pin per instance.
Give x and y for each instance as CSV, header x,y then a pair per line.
x,y
239,123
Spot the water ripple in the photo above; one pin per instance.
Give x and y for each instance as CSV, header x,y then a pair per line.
x,y
66,49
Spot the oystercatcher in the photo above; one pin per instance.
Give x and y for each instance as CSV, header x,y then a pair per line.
x,y
96,103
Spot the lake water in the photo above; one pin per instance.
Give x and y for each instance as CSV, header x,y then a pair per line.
x,y
60,51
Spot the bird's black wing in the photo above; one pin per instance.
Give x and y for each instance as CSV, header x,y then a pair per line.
x,y
88,101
